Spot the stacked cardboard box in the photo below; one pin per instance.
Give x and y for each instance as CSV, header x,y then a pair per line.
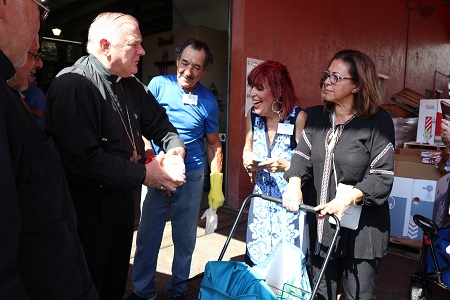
x,y
418,189
429,124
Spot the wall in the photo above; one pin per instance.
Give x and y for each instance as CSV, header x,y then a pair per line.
x,y
428,49
216,40
211,14
407,46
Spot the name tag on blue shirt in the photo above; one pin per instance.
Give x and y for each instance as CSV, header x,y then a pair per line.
x,y
190,99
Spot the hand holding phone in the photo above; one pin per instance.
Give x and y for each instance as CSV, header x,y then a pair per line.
x,y
257,160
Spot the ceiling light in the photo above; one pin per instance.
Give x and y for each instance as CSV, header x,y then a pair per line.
x,y
56,31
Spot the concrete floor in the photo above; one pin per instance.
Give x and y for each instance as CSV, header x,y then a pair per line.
x,y
394,277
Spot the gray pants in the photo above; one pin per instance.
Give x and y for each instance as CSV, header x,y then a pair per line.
x,y
358,276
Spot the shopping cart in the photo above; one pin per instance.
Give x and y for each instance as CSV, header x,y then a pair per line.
x,y
193,293
434,266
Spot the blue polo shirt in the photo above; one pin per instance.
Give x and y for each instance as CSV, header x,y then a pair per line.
x,y
191,120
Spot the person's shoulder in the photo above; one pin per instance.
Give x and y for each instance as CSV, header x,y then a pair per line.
x,y
205,93
70,76
33,90
164,79
383,118
383,113
78,70
314,110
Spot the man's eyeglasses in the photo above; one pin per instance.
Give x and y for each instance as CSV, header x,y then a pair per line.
x,y
36,56
333,78
44,10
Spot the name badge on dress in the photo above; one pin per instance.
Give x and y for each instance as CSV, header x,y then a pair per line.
x,y
190,99
284,128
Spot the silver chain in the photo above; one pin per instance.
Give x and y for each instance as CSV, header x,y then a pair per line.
x,y
116,105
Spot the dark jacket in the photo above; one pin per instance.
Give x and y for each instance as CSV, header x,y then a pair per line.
x,y
89,133
41,256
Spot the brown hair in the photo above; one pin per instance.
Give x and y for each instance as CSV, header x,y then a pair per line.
x,y
363,72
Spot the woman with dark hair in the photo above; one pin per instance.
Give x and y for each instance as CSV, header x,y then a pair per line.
x,y
348,141
274,124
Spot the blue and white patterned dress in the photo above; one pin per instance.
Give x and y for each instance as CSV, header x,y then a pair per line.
x,y
265,217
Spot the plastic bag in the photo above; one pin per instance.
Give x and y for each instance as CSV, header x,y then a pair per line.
x,y
285,269
286,273
211,220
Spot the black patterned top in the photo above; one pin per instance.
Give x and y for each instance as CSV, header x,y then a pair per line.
x,y
364,157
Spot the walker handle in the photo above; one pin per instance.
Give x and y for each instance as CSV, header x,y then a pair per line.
x,y
426,224
301,206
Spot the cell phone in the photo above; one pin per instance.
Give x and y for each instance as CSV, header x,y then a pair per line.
x,y
445,107
257,160
263,163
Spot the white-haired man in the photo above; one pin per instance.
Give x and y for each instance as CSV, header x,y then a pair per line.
x,y
97,111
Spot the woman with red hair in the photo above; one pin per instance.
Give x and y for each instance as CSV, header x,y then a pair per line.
x,y
274,124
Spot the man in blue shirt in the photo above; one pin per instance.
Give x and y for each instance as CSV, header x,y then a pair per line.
x,y
193,110
35,99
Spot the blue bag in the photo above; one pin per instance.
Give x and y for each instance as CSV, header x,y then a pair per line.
x,y
225,280
440,242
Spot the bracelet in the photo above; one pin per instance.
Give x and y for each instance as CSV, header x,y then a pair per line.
x,y
149,159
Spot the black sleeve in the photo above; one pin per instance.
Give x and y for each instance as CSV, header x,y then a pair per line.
x,y
377,183
11,285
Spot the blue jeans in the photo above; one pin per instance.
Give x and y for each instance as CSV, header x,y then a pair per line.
x,y
154,211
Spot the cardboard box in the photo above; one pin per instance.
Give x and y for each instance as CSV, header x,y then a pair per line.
x,y
405,130
429,124
418,189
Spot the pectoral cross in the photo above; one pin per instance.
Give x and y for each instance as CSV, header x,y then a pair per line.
x,y
136,157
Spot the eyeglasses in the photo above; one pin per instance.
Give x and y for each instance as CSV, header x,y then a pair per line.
x,y
43,10
36,56
333,78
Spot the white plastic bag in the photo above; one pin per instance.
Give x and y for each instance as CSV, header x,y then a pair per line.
x,y
211,220
285,269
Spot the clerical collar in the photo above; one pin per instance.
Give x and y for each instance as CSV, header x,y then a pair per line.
x,y
102,70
